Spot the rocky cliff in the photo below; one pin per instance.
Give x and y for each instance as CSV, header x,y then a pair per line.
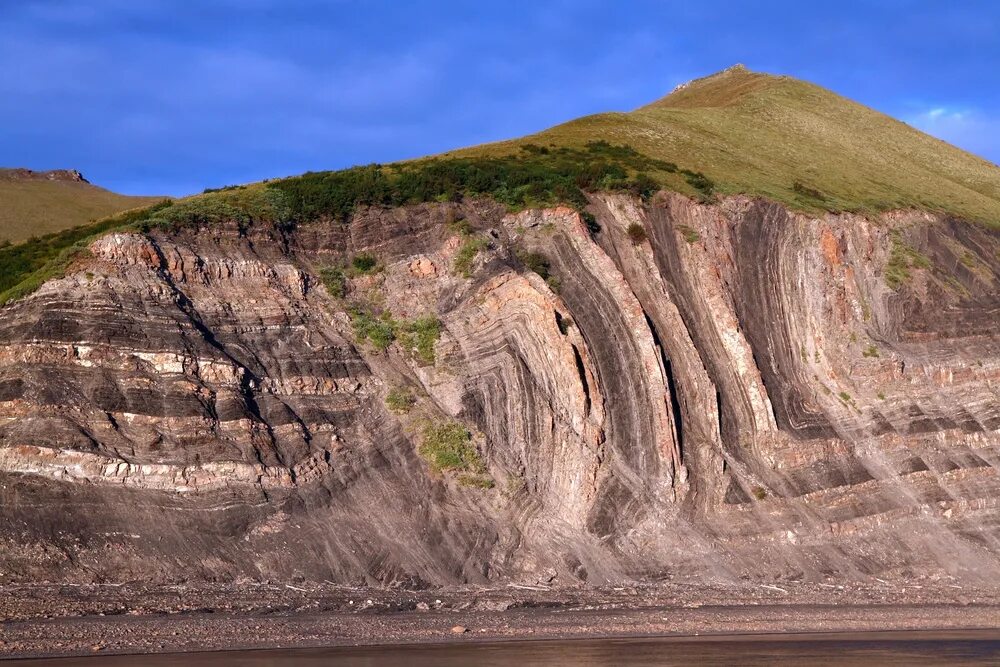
x,y
667,389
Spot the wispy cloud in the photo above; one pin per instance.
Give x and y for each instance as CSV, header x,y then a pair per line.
x,y
971,129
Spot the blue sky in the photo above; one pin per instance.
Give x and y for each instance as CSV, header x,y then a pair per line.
x,y
172,96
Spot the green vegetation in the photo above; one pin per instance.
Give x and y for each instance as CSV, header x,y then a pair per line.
x,y
467,254
379,331
419,336
902,259
701,183
537,262
40,207
477,481
400,400
245,206
690,235
25,266
636,233
807,192
531,176
881,396
448,446
759,492
870,351
334,281
364,264
591,221
845,397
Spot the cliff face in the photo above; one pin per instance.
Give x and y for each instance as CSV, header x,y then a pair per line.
x,y
745,392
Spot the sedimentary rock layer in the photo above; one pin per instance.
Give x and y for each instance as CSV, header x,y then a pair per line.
x,y
695,390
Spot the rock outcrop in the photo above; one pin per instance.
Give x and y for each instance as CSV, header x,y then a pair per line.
x,y
738,391
22,174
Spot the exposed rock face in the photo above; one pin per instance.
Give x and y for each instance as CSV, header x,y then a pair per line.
x,y
743,395
22,174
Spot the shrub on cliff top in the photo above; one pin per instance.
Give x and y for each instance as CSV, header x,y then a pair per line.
x,y
244,206
528,178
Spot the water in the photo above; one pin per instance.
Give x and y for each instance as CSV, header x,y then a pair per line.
x,y
964,648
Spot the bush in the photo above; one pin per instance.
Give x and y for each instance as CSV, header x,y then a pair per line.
x,y
448,446
700,182
690,235
636,233
592,225
334,281
537,262
244,206
364,263
380,332
870,351
759,492
807,192
400,400
531,177
420,336
417,336
466,255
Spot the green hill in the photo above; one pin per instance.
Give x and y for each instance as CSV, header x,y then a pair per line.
x,y
791,141
38,203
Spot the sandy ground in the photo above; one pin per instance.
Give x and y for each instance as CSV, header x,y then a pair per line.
x,y
59,620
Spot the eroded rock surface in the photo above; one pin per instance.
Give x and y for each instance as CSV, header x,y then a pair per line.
x,y
749,393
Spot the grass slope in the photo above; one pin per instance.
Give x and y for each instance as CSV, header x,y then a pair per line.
x,y
790,141
38,207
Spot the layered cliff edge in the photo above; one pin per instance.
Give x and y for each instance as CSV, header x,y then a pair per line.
x,y
710,391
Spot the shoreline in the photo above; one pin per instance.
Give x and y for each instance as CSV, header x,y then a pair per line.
x,y
86,620
991,634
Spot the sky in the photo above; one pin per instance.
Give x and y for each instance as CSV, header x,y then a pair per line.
x,y
173,96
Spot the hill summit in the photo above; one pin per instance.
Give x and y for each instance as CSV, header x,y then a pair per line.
x,y
35,203
22,174
790,141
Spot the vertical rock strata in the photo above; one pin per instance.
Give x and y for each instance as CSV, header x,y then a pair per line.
x,y
749,392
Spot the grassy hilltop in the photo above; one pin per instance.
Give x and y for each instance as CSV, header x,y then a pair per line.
x,y
791,141
33,205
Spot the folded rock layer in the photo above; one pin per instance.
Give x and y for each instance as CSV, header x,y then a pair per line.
x,y
741,394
